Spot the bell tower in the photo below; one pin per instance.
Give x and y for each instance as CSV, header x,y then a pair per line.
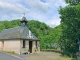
x,y
23,21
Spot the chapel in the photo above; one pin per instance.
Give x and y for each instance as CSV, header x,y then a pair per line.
x,y
19,39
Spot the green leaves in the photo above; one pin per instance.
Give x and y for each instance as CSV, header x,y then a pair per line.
x,y
70,22
73,2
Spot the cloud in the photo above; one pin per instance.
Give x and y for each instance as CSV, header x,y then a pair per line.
x,y
42,10
51,16
52,21
12,1
37,5
11,8
56,3
60,3
10,11
55,21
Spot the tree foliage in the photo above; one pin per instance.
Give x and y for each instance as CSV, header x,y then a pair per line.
x,y
73,2
70,22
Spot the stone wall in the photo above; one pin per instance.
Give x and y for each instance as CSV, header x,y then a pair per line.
x,y
33,47
36,49
24,50
38,46
0,45
17,46
11,46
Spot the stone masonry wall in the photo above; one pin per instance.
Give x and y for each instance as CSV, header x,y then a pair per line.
x,y
12,46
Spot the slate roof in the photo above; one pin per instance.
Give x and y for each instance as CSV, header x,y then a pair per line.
x,y
17,33
24,18
21,32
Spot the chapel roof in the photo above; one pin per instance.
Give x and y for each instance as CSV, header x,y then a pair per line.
x,y
21,32
24,18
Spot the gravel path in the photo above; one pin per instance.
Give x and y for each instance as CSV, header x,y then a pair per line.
x,y
42,56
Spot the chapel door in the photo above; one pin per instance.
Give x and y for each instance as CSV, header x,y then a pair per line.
x,y
30,46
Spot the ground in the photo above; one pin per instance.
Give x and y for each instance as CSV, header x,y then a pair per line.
x,y
45,56
40,56
5,56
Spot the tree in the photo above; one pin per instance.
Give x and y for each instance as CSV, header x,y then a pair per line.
x,y
70,21
1,26
73,2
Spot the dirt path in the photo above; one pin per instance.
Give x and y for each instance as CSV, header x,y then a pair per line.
x,y
43,56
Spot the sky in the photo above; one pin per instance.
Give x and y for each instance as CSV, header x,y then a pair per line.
x,y
42,10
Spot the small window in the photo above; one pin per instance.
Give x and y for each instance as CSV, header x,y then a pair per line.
x,y
23,43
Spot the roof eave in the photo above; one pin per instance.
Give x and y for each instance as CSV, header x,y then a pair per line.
x,y
20,39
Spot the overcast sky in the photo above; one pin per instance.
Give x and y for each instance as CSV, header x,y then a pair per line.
x,y
42,10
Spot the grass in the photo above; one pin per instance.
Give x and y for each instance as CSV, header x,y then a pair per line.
x,y
51,50
10,52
